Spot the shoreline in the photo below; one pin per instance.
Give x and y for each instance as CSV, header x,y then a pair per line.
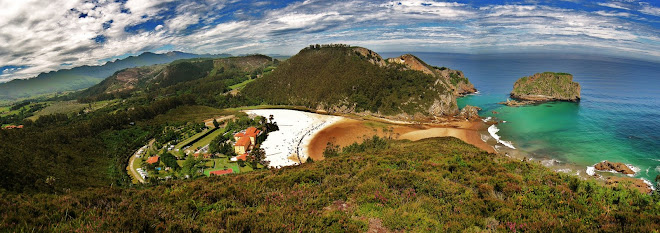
x,y
584,172
348,131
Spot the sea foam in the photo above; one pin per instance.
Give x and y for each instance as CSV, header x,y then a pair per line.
x,y
591,170
493,133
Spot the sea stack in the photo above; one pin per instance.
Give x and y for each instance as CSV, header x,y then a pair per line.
x,y
544,87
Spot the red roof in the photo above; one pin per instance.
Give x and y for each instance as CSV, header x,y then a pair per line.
x,y
221,172
153,159
244,141
242,157
238,135
251,132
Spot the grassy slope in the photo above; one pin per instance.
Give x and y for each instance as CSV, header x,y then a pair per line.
x,y
69,107
431,185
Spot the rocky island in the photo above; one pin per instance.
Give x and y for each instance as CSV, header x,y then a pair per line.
x,y
544,87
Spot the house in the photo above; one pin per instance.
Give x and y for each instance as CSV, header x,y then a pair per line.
x,y
153,159
13,127
240,157
221,172
205,155
246,140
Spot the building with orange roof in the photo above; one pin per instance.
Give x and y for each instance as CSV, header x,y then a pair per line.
x,y
240,157
246,140
221,172
153,159
242,145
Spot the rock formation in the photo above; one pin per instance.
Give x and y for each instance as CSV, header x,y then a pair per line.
x,y
470,113
543,87
632,183
618,167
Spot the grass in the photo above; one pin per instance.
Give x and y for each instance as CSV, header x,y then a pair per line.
x,y
193,138
70,107
190,114
431,185
220,164
206,140
241,85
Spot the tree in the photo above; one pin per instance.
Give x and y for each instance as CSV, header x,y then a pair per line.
x,y
169,160
215,123
190,166
257,156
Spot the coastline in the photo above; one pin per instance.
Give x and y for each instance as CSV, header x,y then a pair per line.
x,y
288,146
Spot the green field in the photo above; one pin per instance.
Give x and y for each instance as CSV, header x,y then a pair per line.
x,y
241,85
190,114
221,164
193,138
206,140
70,107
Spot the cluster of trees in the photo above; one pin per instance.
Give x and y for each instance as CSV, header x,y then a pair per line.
x,y
440,184
335,76
25,109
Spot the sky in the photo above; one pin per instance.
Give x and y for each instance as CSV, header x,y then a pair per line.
x,y
41,36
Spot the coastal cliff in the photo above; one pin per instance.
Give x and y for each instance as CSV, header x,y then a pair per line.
x,y
543,87
346,79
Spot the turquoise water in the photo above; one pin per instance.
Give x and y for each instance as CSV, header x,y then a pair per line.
x,y
618,118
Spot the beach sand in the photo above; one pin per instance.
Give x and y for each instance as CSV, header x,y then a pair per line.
x,y
288,146
349,131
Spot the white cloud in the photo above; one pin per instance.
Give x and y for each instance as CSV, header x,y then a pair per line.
x,y
46,39
616,5
650,10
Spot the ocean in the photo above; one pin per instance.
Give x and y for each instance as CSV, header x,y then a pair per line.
x,y
617,119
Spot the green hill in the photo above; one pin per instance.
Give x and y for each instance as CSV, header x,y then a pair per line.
x,y
434,185
170,78
83,77
339,78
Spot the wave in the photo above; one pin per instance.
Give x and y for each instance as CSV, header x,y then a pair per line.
x,y
649,183
565,170
493,133
634,169
485,137
487,119
550,162
591,170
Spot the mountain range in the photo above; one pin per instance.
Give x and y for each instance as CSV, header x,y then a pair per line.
x,y
85,76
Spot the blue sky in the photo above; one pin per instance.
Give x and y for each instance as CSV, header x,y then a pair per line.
x,y
40,36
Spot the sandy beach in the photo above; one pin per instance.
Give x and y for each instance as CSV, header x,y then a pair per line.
x,y
348,131
288,146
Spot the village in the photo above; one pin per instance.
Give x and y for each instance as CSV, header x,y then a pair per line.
x,y
218,146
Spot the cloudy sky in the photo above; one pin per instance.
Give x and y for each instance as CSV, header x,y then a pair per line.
x,y
40,36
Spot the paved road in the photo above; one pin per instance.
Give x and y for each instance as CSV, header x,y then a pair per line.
x,y
132,170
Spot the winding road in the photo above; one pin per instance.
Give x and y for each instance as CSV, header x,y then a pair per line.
x,y
131,161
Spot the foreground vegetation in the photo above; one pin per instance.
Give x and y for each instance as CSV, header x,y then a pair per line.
x,y
437,184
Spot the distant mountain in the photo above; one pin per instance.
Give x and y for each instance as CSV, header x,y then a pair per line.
x,y
200,72
85,76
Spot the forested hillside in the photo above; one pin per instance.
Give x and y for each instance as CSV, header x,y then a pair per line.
x,y
434,185
339,78
61,152
85,76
